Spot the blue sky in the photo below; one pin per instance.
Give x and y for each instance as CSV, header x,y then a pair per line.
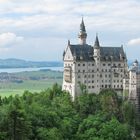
x,y
39,29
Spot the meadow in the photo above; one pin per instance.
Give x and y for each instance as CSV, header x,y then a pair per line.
x,y
34,81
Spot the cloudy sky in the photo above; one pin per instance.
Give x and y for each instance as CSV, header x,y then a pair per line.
x,y
39,29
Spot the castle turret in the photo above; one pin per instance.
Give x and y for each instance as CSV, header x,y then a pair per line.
x,y
82,34
97,44
97,50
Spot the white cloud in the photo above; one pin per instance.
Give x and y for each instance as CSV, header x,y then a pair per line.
x,y
133,42
9,39
115,20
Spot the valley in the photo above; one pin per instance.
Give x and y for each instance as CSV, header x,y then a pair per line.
x,y
33,81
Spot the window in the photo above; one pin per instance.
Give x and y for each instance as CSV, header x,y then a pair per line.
x,y
78,64
83,70
92,81
116,75
109,64
88,86
92,76
78,70
78,76
89,64
119,65
83,64
92,64
85,76
92,70
85,81
88,76
88,81
103,64
92,86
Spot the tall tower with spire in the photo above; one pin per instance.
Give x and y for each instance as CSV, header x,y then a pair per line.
x,y
82,34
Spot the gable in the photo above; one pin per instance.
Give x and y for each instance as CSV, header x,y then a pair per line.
x,y
68,54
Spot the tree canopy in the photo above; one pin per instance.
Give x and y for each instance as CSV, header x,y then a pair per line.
x,y
52,115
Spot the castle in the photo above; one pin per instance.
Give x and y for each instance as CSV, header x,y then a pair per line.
x,y
98,67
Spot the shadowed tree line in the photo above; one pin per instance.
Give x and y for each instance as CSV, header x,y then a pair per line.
x,y
52,115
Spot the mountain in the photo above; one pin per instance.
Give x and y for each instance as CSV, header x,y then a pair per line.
x,y
19,63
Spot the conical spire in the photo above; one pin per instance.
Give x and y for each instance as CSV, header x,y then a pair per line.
x,y
97,44
82,26
82,34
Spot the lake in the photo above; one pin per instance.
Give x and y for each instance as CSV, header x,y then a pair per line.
x,y
13,70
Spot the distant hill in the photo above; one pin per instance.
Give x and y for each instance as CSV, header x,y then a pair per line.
x,y
19,63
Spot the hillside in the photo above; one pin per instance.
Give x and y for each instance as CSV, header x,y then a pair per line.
x,y
34,81
19,63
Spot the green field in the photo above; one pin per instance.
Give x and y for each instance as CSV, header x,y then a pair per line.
x,y
34,81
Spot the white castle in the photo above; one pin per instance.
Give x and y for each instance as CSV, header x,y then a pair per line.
x,y
98,67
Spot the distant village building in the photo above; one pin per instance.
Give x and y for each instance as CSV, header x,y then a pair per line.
x,y
98,67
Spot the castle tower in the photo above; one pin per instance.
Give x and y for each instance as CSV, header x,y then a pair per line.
x,y
82,34
96,56
97,49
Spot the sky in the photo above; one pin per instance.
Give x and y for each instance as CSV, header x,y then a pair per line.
x,y
38,30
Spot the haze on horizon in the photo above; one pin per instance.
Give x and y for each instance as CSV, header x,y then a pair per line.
x,y
39,29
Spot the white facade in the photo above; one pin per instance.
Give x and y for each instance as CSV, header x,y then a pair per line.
x,y
132,83
94,66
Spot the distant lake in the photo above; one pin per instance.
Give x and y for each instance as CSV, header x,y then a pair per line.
x,y
13,70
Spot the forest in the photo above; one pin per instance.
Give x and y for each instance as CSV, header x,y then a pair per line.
x,y
53,115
